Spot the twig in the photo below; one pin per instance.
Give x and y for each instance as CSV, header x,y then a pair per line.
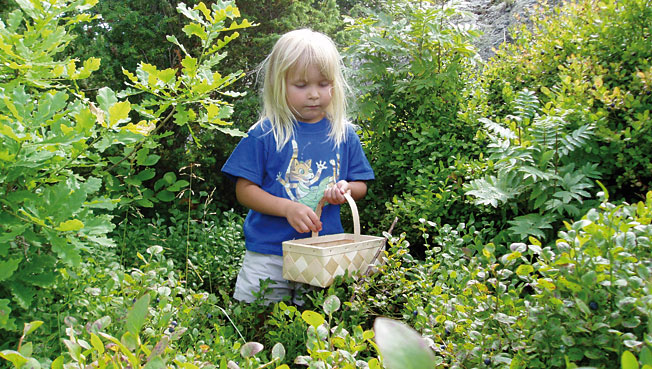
x,y
382,247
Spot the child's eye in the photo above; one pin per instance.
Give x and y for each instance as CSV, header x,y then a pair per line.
x,y
325,84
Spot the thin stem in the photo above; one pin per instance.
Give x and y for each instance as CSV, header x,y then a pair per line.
x,y
188,225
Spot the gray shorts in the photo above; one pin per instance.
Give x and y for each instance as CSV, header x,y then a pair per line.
x,y
257,267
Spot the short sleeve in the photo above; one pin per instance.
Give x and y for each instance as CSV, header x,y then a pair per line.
x,y
359,168
247,160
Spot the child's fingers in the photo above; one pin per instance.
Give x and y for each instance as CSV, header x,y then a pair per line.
x,y
303,219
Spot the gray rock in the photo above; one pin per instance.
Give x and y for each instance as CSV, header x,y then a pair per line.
x,y
495,19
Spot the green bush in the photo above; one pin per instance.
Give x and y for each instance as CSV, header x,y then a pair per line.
x,y
410,66
592,58
538,170
209,245
67,161
581,301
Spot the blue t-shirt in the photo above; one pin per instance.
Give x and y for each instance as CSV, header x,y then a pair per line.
x,y
301,172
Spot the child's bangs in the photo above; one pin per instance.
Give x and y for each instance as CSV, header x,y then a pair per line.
x,y
319,57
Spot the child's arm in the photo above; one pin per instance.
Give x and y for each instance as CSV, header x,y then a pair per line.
x,y
300,216
335,194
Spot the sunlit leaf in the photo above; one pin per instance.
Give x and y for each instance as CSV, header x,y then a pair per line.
x,y
401,346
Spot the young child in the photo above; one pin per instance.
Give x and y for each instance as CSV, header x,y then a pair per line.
x,y
302,149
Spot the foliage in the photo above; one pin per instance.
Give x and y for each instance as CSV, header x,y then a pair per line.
x,y
409,66
66,162
401,346
537,167
162,325
210,244
246,53
582,301
592,57
123,33
332,346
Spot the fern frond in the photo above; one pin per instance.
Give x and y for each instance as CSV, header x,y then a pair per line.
x,y
503,132
526,104
547,130
575,139
493,190
530,225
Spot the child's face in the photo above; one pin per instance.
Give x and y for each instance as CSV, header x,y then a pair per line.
x,y
308,93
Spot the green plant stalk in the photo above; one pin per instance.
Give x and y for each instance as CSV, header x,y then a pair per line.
x,y
188,226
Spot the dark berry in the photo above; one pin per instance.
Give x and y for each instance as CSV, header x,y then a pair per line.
x,y
487,361
133,301
447,331
414,313
171,329
174,323
209,315
158,300
443,347
593,305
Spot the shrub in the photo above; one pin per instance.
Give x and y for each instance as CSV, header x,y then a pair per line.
x,y
581,301
538,169
209,245
410,68
67,161
592,57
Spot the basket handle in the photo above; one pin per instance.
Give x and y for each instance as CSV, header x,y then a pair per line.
x,y
354,212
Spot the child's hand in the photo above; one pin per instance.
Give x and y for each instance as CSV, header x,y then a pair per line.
x,y
335,194
302,218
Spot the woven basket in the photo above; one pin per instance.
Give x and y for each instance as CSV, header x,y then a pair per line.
x,y
319,259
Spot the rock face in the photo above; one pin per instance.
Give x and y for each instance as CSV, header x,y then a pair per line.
x,y
495,18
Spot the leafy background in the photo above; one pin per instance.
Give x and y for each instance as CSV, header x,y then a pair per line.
x,y
520,186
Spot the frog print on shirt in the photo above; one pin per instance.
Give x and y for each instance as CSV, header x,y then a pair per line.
x,y
304,185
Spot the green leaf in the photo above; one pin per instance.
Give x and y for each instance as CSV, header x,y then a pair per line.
x,y
524,270
67,252
250,349
70,225
401,346
195,29
582,306
232,132
628,361
31,327
106,98
119,112
178,185
331,304
189,65
8,267
155,362
312,318
6,321
278,351
645,356
137,314
14,357
165,196
97,343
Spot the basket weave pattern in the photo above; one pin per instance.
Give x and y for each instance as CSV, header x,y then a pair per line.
x,y
320,270
319,259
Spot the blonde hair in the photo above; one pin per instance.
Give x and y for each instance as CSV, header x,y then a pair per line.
x,y
299,49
